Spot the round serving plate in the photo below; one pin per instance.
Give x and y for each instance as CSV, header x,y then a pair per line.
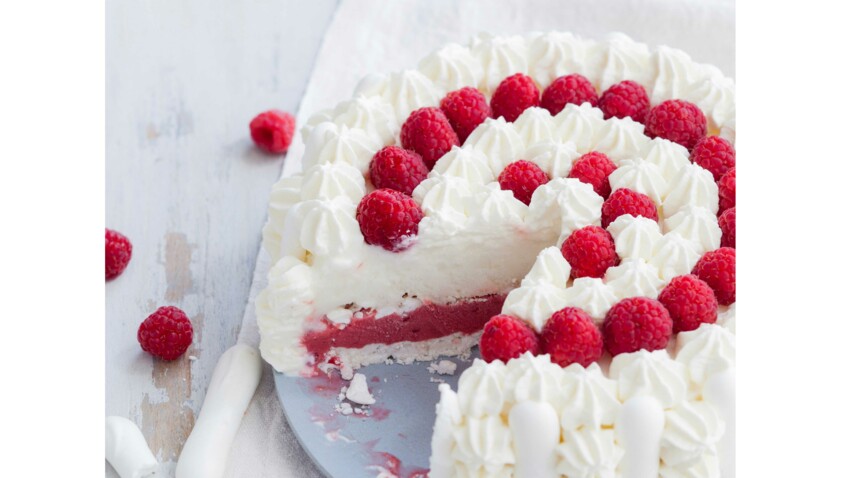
x,y
392,437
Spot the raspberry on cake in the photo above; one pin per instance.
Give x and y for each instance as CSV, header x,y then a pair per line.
x,y
428,132
594,168
715,154
726,221
726,190
397,168
677,120
389,219
570,336
637,323
522,178
690,302
590,252
273,130
465,109
569,89
507,337
119,250
717,269
626,99
626,201
514,95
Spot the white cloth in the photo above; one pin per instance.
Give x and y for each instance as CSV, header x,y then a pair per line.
x,y
379,36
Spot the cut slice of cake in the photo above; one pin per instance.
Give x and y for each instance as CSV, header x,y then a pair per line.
x,y
453,251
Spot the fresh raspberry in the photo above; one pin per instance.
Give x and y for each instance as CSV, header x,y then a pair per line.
x,y
570,336
505,338
590,252
388,218
678,121
726,221
594,168
428,132
570,89
636,323
625,99
397,168
726,190
465,108
514,95
690,302
626,201
273,130
119,250
166,333
717,269
522,178
714,154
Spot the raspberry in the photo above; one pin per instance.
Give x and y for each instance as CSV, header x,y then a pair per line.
x,y
594,168
465,108
636,323
570,89
714,154
514,95
119,250
506,337
522,178
690,302
717,269
590,252
397,168
166,333
273,130
570,336
726,190
726,221
428,132
625,99
678,121
388,218
626,201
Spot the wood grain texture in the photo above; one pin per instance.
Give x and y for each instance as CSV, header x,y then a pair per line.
x,y
185,184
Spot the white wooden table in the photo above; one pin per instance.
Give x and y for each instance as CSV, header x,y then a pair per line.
x,y
185,184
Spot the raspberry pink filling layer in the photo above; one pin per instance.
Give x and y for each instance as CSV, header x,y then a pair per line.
x,y
430,321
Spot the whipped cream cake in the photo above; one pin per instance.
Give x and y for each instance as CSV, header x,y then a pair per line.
x,y
559,193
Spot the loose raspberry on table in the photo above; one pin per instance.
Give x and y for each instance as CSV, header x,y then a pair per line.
x,y
690,302
428,132
726,190
397,168
678,121
636,323
625,99
590,252
594,168
717,269
507,337
522,178
119,250
166,333
726,221
389,218
465,108
570,89
273,131
514,95
626,201
714,154
570,336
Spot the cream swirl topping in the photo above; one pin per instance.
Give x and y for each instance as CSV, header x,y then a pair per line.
x,y
452,67
635,237
555,158
698,224
705,351
549,268
642,176
589,453
649,374
590,398
691,431
498,141
634,278
592,295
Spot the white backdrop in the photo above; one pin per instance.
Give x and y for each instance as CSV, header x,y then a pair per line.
x,y
381,36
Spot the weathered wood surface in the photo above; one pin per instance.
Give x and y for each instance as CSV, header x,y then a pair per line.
x,y
184,183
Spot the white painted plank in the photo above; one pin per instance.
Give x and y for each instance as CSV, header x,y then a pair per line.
x,y
184,183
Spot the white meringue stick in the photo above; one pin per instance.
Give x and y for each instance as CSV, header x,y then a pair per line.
x,y
126,449
233,383
639,427
719,391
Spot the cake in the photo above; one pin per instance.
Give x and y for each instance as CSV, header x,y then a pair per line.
x,y
490,215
